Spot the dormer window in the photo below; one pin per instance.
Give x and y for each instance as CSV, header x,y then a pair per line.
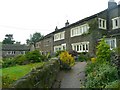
x,y
116,23
102,23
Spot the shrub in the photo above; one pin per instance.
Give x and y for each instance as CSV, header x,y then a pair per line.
x,y
45,57
83,57
59,52
100,72
73,53
29,57
101,76
67,61
103,52
114,84
93,60
6,81
33,56
8,62
20,59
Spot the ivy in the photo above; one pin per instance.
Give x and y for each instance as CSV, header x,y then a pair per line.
x,y
93,24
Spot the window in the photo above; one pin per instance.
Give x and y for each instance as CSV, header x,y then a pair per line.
x,y
21,52
60,47
13,52
79,30
81,46
102,23
59,36
116,22
8,52
111,42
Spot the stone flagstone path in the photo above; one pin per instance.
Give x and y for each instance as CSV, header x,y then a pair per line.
x,y
73,78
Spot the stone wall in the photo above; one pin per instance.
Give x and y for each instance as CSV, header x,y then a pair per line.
x,y
41,77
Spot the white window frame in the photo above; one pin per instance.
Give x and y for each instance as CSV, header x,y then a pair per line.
x,y
60,47
59,36
101,23
79,30
114,22
9,52
110,42
80,44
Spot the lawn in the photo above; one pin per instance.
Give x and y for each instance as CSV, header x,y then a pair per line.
x,y
16,72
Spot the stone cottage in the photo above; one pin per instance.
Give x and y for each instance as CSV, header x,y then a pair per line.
x,y
84,35
11,50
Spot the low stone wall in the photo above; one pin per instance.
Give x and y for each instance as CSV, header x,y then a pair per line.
x,y
41,77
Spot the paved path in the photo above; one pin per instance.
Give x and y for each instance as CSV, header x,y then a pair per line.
x,y
73,78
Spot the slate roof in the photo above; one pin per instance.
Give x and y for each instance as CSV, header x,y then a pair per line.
x,y
15,47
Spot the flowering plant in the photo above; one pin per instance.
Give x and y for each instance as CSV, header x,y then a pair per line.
x,y
67,61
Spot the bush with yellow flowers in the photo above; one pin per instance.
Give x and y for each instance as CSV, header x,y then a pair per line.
x,y
66,60
93,60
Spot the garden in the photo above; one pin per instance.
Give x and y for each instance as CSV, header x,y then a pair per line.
x,y
35,70
26,68
101,71
17,67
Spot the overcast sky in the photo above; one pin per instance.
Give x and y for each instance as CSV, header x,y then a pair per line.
x,y
24,17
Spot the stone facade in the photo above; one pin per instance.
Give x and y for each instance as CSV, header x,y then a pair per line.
x,y
46,44
83,36
11,50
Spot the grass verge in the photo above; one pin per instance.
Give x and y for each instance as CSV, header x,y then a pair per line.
x,y
11,74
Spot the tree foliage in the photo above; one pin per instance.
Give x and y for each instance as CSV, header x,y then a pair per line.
x,y
8,39
34,38
103,51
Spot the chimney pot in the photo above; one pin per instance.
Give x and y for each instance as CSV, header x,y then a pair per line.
x,y
67,23
56,28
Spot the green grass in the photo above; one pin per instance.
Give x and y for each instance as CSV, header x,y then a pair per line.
x,y
16,72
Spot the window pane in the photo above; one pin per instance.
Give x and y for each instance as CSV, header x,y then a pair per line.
x,y
112,43
108,42
86,46
80,48
100,23
83,47
77,47
116,22
103,23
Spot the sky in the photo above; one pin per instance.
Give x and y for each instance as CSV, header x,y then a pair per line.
x,y
24,17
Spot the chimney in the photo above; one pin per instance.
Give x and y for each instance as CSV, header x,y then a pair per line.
x,y
56,28
111,4
67,23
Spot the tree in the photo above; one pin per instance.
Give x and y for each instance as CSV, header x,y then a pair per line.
x,y
34,38
8,39
27,41
103,51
